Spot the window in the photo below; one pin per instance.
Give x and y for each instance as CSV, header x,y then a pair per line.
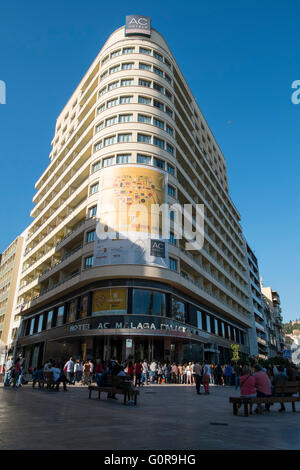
x,y
144,66
101,92
96,166
124,137
144,119
173,264
171,215
171,191
115,53
100,126
107,162
104,75
127,82
111,121
145,51
49,320
90,236
98,145
72,311
159,163
40,324
88,262
223,329
170,169
168,94
169,112
158,71
208,329
158,104
158,123
94,188
144,159
60,315
167,63
124,158
127,66
101,108
114,69
144,100
125,118
92,211
113,85
160,143
105,59
128,50
148,302
199,320
146,83
126,99
157,87
157,56
172,239
144,138
169,130
170,149
237,332
178,309
168,78
84,301
110,140
113,102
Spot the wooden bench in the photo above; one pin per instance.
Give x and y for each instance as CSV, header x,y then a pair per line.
x,y
290,388
47,380
114,385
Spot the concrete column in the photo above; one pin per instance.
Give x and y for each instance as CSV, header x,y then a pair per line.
x,y
167,349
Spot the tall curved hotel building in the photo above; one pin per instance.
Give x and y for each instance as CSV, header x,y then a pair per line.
x,y
132,132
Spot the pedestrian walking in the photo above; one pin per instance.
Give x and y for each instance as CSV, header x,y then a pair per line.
x,y
69,370
198,376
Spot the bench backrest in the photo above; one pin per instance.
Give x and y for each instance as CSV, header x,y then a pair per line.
x,y
288,387
117,380
48,376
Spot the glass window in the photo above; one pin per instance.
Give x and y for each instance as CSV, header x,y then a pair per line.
x,y
168,78
158,123
144,66
126,99
104,75
115,53
144,159
49,320
101,92
157,87
172,239
90,236
146,83
143,118
105,59
127,82
170,169
96,166
94,188
124,137
237,332
32,326
148,302
125,118
111,121
92,211
112,103
169,112
101,108
158,162
144,100
167,63
208,327
173,264
88,262
40,325
178,309
114,69
168,94
171,215
223,329
144,138
158,104
100,126
84,306
113,85
171,191
199,320
128,50
123,158
72,313
158,71
60,315
145,51
110,140
170,130
107,162
98,145
127,66
157,56
160,143
170,149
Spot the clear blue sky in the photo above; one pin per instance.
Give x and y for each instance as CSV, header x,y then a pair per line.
x,y
239,59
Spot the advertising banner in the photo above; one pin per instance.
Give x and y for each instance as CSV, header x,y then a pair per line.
x,y
137,24
110,300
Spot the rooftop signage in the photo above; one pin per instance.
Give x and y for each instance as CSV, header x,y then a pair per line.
x,y
137,24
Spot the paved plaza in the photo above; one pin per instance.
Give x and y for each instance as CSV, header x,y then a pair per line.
x,y
167,417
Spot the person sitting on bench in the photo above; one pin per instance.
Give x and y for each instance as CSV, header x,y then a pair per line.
x,y
263,387
58,377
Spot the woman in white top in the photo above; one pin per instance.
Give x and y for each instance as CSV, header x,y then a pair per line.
x,y
189,373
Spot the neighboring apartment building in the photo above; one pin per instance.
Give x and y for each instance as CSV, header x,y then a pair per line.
x,y
273,320
292,342
131,116
258,336
10,266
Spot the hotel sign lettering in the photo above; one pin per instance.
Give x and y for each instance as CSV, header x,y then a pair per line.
x,y
136,24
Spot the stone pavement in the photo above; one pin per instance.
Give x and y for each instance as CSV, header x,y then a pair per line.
x,y
167,417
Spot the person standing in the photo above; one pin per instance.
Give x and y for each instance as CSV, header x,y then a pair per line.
x,y
91,371
153,371
86,373
189,373
184,373
180,373
69,369
174,373
138,373
130,370
78,371
17,370
237,370
167,373
198,377
145,373
206,377
228,373
8,371
98,370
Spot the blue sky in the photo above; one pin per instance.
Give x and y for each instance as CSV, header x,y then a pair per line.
x,y
239,58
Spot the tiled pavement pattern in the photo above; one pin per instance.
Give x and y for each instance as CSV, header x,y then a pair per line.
x,y
167,417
